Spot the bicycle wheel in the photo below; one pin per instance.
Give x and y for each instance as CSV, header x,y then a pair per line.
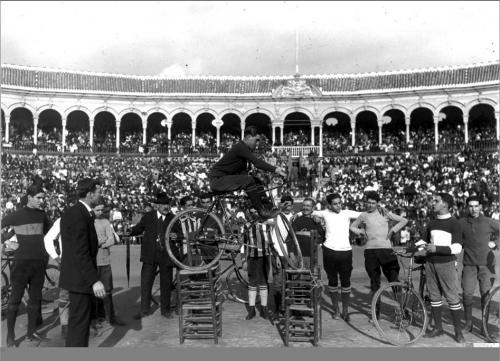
x,y
5,292
287,241
50,290
491,316
198,241
237,285
399,314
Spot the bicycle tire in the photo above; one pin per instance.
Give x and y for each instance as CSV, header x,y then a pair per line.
x,y
5,291
202,244
491,316
406,311
50,290
237,285
287,241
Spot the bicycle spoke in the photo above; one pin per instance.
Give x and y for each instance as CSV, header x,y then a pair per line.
x,y
491,316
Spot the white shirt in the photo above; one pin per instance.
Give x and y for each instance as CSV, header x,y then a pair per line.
x,y
48,240
160,216
337,228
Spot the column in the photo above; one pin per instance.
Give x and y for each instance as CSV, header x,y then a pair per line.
x,y
35,129
7,125
466,128
144,129
218,136
281,134
118,135
64,122
407,123
91,136
273,135
169,130
380,124
497,119
353,133
242,129
312,134
320,142
193,132
436,130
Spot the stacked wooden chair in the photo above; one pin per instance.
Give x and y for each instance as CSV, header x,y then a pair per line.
x,y
200,304
302,295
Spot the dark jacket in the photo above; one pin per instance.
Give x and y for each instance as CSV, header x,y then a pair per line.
x,y
154,237
79,250
477,232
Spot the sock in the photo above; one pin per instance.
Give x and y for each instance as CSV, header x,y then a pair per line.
x,y
252,295
263,295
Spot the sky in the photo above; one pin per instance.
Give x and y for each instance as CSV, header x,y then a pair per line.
x,y
176,39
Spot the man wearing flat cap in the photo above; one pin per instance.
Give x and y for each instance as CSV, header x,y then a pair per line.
x,y
154,254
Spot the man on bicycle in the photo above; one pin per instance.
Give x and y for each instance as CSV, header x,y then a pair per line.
x,y
230,173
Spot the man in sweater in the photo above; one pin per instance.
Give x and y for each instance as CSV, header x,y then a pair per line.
x,y
374,225
477,232
30,223
230,172
443,242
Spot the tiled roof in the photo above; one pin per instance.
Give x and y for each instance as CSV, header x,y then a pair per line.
x,y
49,79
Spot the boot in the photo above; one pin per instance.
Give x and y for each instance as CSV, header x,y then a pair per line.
x,y
345,305
33,318
438,323
483,312
11,324
468,318
277,304
459,337
64,331
264,312
251,313
254,193
334,295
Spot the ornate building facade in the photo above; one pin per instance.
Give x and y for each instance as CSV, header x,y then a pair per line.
x,y
273,102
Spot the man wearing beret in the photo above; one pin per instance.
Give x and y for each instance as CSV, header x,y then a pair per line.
x,y
154,254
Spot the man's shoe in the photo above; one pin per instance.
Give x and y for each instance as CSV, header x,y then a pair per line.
x,y
459,337
140,315
264,313
335,314
35,336
345,316
269,213
251,313
434,333
167,315
11,342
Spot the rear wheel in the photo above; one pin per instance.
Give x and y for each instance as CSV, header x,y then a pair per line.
x,y
194,239
491,316
5,292
399,314
287,242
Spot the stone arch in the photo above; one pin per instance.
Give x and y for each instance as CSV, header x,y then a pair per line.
x,y
334,109
207,111
77,107
187,111
478,101
51,106
399,107
296,109
130,110
22,105
231,111
425,105
367,108
451,103
105,109
157,110
258,110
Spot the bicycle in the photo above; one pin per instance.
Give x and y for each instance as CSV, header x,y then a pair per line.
x,y
50,289
214,232
398,311
491,316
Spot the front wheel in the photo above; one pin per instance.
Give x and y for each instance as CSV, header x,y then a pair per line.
x,y
399,313
6,288
193,239
491,316
286,239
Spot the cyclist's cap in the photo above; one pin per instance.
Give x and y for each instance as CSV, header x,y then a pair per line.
x,y
286,199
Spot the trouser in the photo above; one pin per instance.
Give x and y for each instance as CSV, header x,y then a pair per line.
x,y
471,276
148,272
80,309
63,304
381,258
26,273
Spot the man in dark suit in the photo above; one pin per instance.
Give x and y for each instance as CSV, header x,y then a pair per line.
x,y
154,254
79,273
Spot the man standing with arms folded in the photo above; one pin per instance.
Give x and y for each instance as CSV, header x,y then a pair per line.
x,y
477,232
79,273
374,225
443,242
30,223
337,252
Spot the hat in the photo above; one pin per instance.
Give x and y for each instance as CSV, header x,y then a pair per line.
x,y
161,198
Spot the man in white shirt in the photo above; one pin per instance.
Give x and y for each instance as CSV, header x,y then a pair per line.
x,y
337,251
